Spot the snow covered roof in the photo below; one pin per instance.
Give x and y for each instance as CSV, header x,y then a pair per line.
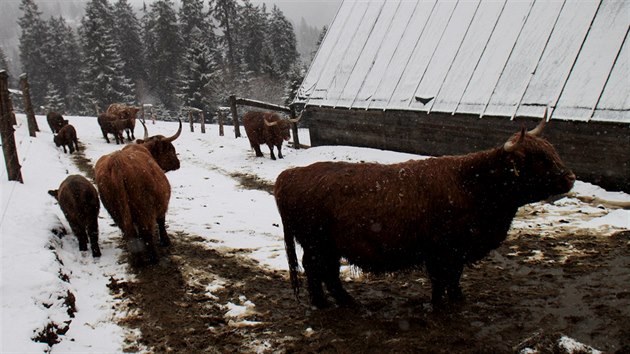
x,y
485,57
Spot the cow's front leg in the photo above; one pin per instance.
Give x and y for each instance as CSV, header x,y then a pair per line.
x,y
280,152
273,157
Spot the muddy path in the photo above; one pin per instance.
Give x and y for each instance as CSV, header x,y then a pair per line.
x,y
511,296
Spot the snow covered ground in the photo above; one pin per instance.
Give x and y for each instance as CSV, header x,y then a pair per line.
x,y
38,269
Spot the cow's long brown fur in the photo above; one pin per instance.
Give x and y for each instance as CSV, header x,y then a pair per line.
x,y
260,133
439,212
135,192
127,114
78,199
67,136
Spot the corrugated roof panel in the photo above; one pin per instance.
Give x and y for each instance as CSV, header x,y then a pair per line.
x,y
341,61
445,53
416,68
418,15
524,59
502,58
468,56
616,97
363,66
392,33
596,60
355,50
406,47
307,89
557,60
495,57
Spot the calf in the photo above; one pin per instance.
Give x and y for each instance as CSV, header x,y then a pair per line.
x,y
55,121
125,112
78,199
110,124
67,136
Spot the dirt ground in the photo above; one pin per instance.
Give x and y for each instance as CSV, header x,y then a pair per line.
x,y
529,292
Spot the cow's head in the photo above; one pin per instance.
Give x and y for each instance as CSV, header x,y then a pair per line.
x,y
279,127
161,148
536,166
131,112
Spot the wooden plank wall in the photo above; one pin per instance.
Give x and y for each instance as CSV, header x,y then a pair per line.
x,y
597,152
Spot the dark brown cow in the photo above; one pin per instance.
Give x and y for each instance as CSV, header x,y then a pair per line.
x,y
267,128
136,192
78,199
67,136
110,124
55,121
127,113
442,212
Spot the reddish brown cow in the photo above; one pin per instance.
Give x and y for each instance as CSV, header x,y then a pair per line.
x,y
67,136
110,124
136,192
267,128
442,212
127,113
55,121
78,199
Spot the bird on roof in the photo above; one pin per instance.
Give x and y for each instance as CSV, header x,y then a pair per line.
x,y
424,100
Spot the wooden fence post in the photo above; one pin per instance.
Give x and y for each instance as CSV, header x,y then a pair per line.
x,y
203,123
237,130
28,107
220,118
6,132
190,119
294,128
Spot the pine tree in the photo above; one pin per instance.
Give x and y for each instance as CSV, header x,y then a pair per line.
x,y
281,39
294,79
102,80
31,43
252,34
191,16
129,45
226,14
163,52
197,84
54,100
62,57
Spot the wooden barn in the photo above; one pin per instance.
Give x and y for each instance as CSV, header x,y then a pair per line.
x,y
442,77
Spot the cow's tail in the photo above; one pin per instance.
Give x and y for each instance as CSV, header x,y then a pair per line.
x,y
289,244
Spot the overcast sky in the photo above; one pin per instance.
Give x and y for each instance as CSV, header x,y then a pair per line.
x,y
315,12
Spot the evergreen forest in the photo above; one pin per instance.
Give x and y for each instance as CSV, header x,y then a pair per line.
x,y
195,55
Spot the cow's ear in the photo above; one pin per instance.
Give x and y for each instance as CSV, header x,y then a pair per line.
x,y
139,141
53,192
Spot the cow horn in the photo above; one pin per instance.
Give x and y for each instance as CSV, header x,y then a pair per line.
x,y
295,120
146,131
179,131
270,124
510,146
539,128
